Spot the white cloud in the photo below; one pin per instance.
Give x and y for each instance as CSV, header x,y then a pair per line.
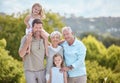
x,y
87,8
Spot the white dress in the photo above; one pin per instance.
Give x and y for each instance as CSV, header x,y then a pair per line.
x,y
57,76
30,23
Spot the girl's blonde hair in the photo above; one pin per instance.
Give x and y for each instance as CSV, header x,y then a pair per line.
x,y
41,13
56,55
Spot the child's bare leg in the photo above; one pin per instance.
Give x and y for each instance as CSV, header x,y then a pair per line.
x,y
28,49
46,47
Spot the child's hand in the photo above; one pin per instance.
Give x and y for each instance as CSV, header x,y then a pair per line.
x,y
44,34
64,69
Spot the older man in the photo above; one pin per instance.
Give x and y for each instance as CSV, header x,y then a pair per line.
x,y
74,54
34,62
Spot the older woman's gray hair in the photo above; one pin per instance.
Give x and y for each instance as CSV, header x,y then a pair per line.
x,y
55,33
66,28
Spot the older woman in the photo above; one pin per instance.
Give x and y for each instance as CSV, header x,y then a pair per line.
x,y
52,50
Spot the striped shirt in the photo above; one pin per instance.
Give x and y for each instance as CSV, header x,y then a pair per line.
x,y
35,60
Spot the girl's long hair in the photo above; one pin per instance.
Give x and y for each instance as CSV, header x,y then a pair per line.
x,y
56,55
41,12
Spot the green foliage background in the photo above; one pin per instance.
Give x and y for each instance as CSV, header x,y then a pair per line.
x,y
103,64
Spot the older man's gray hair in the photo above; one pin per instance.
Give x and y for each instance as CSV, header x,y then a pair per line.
x,y
55,33
66,28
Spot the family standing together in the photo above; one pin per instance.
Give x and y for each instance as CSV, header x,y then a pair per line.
x,y
65,60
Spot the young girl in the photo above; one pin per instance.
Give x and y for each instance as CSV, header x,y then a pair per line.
x,y
55,75
37,13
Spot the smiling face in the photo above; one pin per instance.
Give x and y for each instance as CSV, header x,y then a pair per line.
x,y
36,10
58,60
55,39
37,29
68,36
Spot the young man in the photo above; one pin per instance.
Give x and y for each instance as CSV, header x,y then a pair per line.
x,y
34,61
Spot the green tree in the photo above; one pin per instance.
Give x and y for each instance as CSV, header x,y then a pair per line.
x,y
95,49
13,29
112,58
117,68
109,40
99,74
10,69
113,53
52,22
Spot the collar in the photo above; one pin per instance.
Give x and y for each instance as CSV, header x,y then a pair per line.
x,y
74,43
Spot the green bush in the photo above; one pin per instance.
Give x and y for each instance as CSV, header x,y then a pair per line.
x,y
99,74
10,69
95,49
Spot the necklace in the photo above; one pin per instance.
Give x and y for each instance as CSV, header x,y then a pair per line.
x,y
39,44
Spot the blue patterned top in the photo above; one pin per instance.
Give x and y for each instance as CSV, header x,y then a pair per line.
x,y
75,55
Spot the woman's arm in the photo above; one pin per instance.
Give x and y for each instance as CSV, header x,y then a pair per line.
x,y
49,81
61,41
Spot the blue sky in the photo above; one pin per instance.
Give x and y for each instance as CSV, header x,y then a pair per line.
x,y
85,8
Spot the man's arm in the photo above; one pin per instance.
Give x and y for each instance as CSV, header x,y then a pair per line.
x,y
23,49
81,53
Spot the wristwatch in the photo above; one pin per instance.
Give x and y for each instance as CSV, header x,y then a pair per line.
x,y
70,67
